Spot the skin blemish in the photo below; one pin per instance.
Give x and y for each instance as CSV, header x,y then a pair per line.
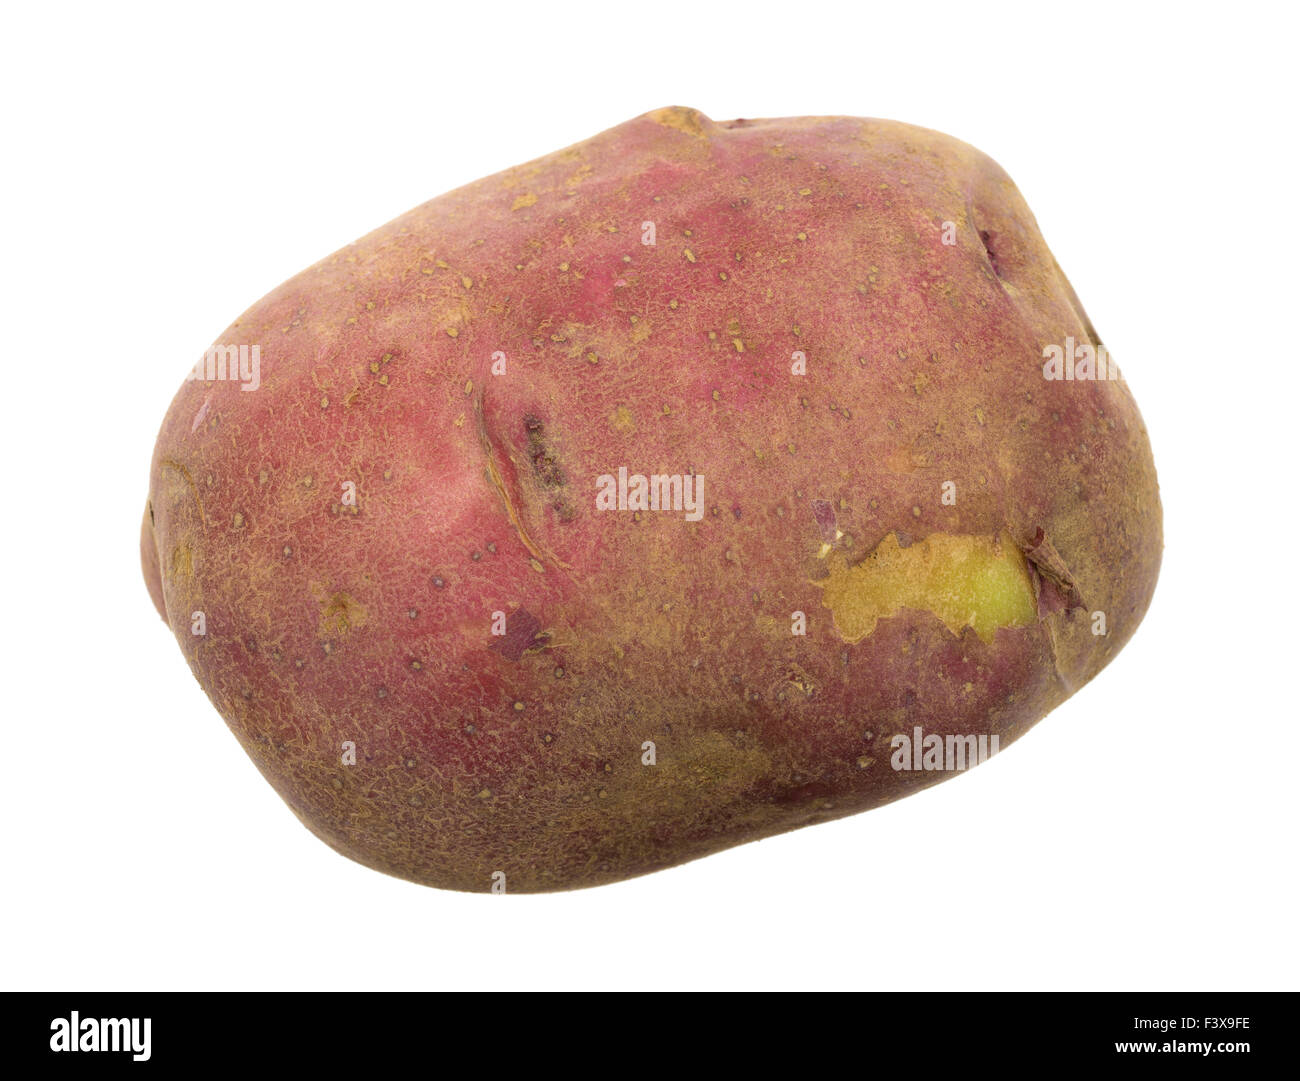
x,y
540,455
967,581
621,420
523,630
688,121
340,614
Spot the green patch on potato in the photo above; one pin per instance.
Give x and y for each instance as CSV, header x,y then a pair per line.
x,y
977,582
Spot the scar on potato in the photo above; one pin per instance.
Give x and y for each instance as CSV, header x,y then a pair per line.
x,y
967,581
542,464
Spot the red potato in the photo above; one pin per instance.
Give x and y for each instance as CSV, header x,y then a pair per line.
x,y
405,550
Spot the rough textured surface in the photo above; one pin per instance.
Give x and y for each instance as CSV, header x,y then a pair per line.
x,y
523,752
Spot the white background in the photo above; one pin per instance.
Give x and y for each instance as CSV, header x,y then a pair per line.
x,y
166,166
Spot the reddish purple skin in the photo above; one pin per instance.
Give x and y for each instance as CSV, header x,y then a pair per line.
x,y
523,753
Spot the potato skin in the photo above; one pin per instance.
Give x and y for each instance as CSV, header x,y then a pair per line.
x,y
328,623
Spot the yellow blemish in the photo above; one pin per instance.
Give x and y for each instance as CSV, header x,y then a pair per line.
x,y
182,562
621,420
967,581
577,178
172,463
691,121
523,201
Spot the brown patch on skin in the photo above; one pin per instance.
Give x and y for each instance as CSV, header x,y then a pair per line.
x,y
621,420
182,564
171,463
1054,587
681,118
546,468
903,462
340,615
541,457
